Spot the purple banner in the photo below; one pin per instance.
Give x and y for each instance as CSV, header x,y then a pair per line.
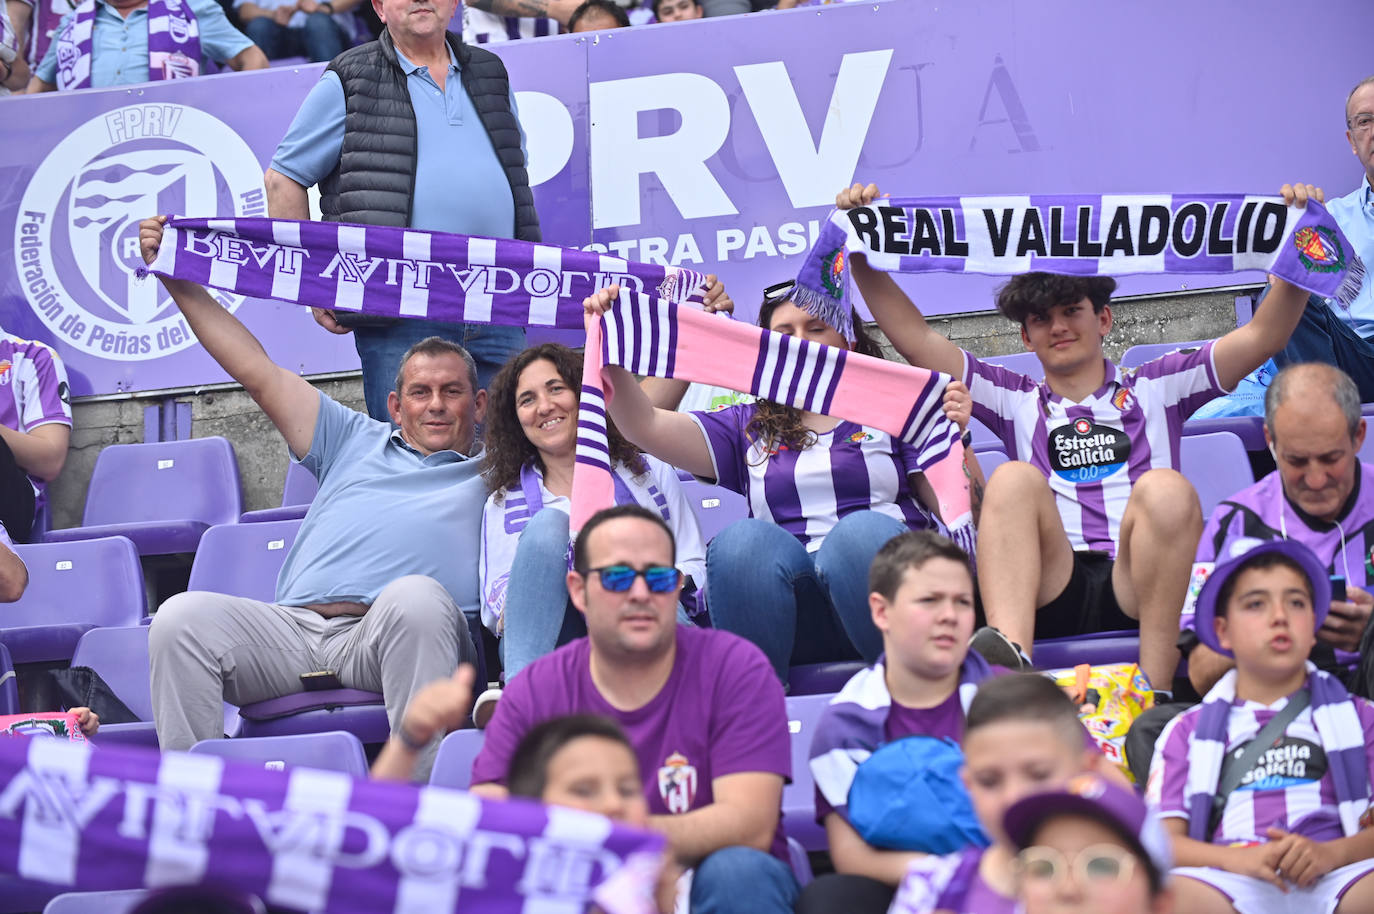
x,y
725,161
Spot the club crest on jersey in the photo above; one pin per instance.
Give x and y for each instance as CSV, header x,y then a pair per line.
x,y
5,366
860,437
1123,400
1085,452
677,783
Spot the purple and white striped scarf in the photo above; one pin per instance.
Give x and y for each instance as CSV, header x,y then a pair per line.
x,y
1337,722
1107,234
173,44
9,43
657,338
400,272
305,839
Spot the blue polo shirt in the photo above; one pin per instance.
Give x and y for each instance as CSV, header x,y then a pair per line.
x,y
460,185
1354,213
383,511
119,44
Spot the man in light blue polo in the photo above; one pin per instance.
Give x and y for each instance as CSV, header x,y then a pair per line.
x,y
119,52
385,564
414,129
1329,333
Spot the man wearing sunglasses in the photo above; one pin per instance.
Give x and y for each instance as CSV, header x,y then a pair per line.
x,y
702,708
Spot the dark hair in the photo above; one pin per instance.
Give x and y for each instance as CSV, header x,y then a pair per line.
x,y
1036,293
911,549
658,3
528,774
507,447
775,424
436,345
613,513
1025,697
1261,561
605,7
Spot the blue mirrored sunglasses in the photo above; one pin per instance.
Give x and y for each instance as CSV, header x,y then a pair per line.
x,y
620,578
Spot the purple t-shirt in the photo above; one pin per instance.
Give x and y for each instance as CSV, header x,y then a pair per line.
x,y
1093,451
720,712
806,492
929,884
944,720
33,390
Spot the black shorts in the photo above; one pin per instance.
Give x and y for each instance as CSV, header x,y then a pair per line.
x,y
1087,604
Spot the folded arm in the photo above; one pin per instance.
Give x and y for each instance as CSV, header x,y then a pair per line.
x,y
744,813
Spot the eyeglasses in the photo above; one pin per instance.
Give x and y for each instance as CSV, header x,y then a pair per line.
x,y
1097,864
1361,123
620,578
779,291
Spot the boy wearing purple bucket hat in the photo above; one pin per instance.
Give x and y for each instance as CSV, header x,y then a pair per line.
x,y
1265,785
1091,847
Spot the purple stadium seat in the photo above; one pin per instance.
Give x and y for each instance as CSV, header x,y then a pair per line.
x,y
821,678
179,899
453,764
1026,363
1145,352
1103,647
1367,449
9,684
1217,466
243,559
334,750
121,902
73,587
161,495
20,895
799,797
982,436
716,508
297,493
354,710
990,459
801,864
120,656
1249,429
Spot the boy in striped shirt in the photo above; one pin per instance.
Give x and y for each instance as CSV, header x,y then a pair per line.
x,y
1268,817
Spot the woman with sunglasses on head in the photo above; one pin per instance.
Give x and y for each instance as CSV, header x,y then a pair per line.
x,y
824,494
531,442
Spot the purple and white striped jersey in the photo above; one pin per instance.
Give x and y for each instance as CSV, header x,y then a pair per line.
x,y
1092,452
806,492
1290,786
482,27
33,389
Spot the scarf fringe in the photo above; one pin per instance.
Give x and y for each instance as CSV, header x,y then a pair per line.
x,y
835,313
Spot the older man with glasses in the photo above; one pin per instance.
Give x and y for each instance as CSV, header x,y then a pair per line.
x,y
1329,333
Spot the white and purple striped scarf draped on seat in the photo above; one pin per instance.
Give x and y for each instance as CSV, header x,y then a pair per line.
x,y
400,272
657,338
173,44
851,727
305,839
1337,722
1106,234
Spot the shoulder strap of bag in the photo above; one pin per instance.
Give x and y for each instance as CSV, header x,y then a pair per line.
x,y
1235,766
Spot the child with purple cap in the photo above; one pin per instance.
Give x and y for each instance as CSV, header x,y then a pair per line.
x,y
1088,848
1265,786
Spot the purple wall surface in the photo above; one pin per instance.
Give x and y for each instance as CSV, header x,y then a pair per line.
x,y
717,144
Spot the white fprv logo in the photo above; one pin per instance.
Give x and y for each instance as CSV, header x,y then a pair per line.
x,y
77,233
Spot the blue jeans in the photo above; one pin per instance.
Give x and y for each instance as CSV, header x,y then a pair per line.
x,y
1321,336
797,607
539,616
745,880
380,349
321,38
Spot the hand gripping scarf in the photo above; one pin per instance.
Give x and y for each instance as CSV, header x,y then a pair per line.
x,y
305,839
173,44
657,338
1336,721
1082,234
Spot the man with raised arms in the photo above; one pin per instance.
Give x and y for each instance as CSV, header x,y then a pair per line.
x,y
1090,526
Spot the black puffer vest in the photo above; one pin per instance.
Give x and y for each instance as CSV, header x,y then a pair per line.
x,y
374,182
